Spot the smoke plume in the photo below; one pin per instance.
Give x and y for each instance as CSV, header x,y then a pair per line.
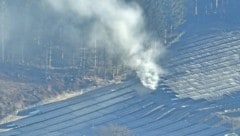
x,y
119,27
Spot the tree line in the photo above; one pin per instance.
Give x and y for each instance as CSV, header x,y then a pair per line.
x,y
34,35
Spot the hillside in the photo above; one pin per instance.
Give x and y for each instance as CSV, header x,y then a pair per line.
x,y
23,87
189,101
172,59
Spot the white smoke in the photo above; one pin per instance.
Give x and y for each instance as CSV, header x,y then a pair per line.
x,y
119,27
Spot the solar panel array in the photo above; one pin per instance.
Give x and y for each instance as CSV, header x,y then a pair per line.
x,y
206,67
199,97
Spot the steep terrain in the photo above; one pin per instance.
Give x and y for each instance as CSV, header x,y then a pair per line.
x,y
45,57
206,66
192,100
23,87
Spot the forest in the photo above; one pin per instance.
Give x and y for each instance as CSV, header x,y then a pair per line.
x,y
34,35
66,50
